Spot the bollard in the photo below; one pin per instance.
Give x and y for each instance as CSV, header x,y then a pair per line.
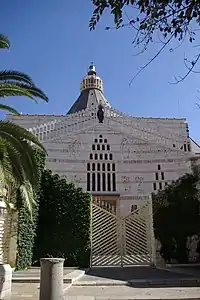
x,y
51,278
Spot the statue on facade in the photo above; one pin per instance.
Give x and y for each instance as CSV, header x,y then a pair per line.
x,y
100,113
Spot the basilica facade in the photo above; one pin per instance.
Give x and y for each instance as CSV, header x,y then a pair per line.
x,y
119,158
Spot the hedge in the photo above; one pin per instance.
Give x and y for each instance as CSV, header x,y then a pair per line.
x,y
64,222
27,225
176,217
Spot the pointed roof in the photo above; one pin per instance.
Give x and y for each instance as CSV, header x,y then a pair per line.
x,y
91,92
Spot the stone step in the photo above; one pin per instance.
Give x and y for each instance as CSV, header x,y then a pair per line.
x,y
34,277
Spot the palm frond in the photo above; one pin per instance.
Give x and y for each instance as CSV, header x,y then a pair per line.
x,y
23,157
27,195
34,91
9,109
8,75
12,89
18,131
4,42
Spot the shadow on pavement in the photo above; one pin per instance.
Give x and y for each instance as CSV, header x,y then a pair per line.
x,y
141,277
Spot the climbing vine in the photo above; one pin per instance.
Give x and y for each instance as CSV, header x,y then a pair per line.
x,y
64,222
27,224
176,217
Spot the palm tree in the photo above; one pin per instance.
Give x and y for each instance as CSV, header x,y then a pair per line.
x,y
15,83
18,165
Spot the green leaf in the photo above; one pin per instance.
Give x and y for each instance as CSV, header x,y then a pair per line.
x,y
9,109
4,42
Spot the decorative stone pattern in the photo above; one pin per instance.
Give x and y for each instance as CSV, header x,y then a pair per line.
x,y
138,146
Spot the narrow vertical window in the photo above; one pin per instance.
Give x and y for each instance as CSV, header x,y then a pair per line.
x,y
108,182
111,156
104,182
162,176
106,156
98,167
185,147
93,167
93,182
103,167
159,167
91,156
189,148
108,147
154,186
98,182
114,182
160,185
103,147
96,156
88,167
98,147
95,140
93,147
113,167
105,140
108,167
156,176
101,156
88,181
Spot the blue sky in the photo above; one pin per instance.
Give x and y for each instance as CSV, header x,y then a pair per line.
x,y
50,41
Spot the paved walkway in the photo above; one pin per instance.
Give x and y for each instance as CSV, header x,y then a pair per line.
x,y
116,280
120,293
31,291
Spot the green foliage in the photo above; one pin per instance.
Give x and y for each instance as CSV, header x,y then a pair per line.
x,y
64,222
154,21
27,222
168,17
176,217
18,163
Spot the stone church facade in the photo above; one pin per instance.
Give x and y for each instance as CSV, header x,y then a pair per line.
x,y
120,158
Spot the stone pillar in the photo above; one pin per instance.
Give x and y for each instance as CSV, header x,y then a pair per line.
x,y
51,278
5,281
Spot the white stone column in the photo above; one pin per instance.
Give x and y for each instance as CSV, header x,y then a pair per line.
x,y
5,281
51,278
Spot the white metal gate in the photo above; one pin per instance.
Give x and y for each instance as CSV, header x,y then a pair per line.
x,y
118,241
